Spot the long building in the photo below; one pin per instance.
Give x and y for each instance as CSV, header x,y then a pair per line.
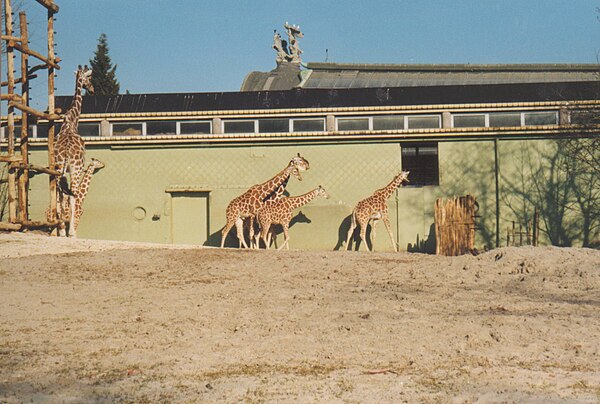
x,y
174,161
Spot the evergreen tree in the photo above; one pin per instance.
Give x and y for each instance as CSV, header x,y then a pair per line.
x,y
103,72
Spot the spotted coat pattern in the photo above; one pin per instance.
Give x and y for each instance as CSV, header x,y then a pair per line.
x,y
375,208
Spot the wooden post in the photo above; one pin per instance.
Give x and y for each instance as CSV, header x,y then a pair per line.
x,y
24,174
51,110
497,189
10,73
536,226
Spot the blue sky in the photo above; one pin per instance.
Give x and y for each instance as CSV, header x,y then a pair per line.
x,y
196,45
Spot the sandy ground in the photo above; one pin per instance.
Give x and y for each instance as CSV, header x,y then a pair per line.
x,y
92,321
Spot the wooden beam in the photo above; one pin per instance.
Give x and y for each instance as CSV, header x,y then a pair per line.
x,y
49,4
31,111
30,52
23,176
11,97
11,38
39,224
34,167
9,159
10,226
20,79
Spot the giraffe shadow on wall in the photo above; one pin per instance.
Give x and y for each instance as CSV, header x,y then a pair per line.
x,y
355,240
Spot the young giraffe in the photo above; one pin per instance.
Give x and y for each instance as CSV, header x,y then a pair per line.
x,y
374,208
84,187
280,212
69,152
245,206
82,190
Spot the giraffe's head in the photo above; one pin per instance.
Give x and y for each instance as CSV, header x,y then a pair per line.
x,y
85,75
298,164
402,178
97,164
321,192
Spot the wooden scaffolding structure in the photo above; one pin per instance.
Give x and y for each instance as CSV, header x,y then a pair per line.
x,y
15,158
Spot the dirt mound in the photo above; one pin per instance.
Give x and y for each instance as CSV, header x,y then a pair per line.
x,y
86,320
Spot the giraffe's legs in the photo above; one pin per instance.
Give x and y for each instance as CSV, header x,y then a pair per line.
x,y
363,234
239,225
373,233
286,236
72,230
350,231
251,231
386,221
224,232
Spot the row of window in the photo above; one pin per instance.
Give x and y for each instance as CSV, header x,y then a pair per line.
x,y
291,125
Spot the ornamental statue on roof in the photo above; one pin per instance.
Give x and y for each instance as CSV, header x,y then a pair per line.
x,y
288,51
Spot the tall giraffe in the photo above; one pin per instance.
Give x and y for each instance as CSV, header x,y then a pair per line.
x,y
374,208
69,152
280,212
246,205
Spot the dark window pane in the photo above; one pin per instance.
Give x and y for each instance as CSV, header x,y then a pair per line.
x,y
353,124
194,128
421,160
540,118
273,125
89,129
505,119
161,128
127,129
423,122
42,130
469,121
238,126
309,125
388,122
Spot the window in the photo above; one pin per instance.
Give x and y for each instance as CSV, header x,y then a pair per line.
x,y
391,122
238,126
308,125
88,129
541,118
161,128
501,119
127,129
273,125
194,128
423,122
42,129
469,121
353,124
421,159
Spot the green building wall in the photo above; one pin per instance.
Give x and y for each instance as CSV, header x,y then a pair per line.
x,y
178,194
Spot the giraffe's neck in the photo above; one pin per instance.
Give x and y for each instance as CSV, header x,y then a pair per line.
x,y
275,186
301,200
389,189
84,183
71,121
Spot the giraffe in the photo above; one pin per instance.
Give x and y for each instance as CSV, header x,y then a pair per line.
x,y
69,153
245,206
280,212
84,187
374,208
82,190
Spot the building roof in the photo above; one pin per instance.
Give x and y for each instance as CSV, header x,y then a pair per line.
x,y
345,75
324,98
